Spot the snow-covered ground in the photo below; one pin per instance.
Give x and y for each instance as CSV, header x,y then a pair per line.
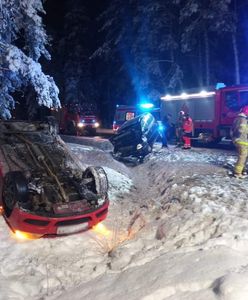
x,y
177,229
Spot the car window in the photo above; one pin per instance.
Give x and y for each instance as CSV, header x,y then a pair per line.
x,y
129,115
146,121
156,115
120,116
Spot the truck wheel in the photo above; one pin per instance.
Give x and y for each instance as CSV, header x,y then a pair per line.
x,y
15,189
96,181
71,128
92,131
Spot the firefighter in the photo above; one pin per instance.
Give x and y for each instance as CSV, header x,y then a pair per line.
x,y
239,134
187,128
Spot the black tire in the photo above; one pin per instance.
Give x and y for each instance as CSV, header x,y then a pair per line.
x,y
15,189
71,128
90,131
93,132
96,181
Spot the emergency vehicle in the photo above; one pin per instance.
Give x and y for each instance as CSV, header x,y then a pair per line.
x,y
74,120
125,113
212,111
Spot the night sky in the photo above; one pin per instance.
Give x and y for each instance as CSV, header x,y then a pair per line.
x,y
56,10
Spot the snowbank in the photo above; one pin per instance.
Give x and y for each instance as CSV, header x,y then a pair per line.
x,y
177,229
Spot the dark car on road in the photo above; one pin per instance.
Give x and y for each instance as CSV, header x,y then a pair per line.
x,y
135,138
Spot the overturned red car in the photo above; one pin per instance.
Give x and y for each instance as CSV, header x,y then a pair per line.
x,y
44,190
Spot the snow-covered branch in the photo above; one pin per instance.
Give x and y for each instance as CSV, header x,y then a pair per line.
x,y
21,24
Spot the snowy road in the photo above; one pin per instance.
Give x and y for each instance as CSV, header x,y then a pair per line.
x,y
187,237
96,141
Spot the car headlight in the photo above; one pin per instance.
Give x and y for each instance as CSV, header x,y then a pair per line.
x,y
80,125
96,125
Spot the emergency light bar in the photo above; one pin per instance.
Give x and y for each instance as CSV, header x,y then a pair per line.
x,y
202,94
146,105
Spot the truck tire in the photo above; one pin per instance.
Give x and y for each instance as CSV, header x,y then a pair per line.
x,y
15,189
96,181
92,131
71,128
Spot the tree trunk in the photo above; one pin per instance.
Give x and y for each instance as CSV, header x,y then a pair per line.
x,y
200,69
236,59
206,42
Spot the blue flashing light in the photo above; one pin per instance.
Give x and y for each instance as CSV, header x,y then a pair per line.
x,y
220,85
146,105
117,105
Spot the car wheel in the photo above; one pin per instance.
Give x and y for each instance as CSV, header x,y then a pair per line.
x,y
15,189
96,180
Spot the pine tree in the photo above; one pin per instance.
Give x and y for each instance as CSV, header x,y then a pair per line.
x,y
79,85
141,39
22,42
225,14
199,20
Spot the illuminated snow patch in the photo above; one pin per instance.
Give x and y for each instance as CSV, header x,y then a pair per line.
x,y
118,183
79,148
195,155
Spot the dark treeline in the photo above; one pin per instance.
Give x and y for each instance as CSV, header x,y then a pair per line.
x,y
126,51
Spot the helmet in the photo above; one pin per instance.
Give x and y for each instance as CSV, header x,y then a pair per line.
x,y
244,110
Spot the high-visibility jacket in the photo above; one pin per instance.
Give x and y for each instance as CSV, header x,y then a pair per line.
x,y
239,130
187,125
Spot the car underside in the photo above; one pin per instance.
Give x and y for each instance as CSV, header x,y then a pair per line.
x,y
42,180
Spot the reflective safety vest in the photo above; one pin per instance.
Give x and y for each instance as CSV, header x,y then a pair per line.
x,y
187,125
239,130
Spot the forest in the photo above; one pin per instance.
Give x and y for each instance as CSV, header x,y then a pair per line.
x,y
117,52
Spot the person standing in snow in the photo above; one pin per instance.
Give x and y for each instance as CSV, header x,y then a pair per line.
x,y
239,134
185,129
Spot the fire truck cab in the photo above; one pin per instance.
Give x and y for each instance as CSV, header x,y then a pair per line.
x,y
76,121
213,111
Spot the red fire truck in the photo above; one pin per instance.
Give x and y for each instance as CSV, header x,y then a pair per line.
x,y
212,111
76,121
